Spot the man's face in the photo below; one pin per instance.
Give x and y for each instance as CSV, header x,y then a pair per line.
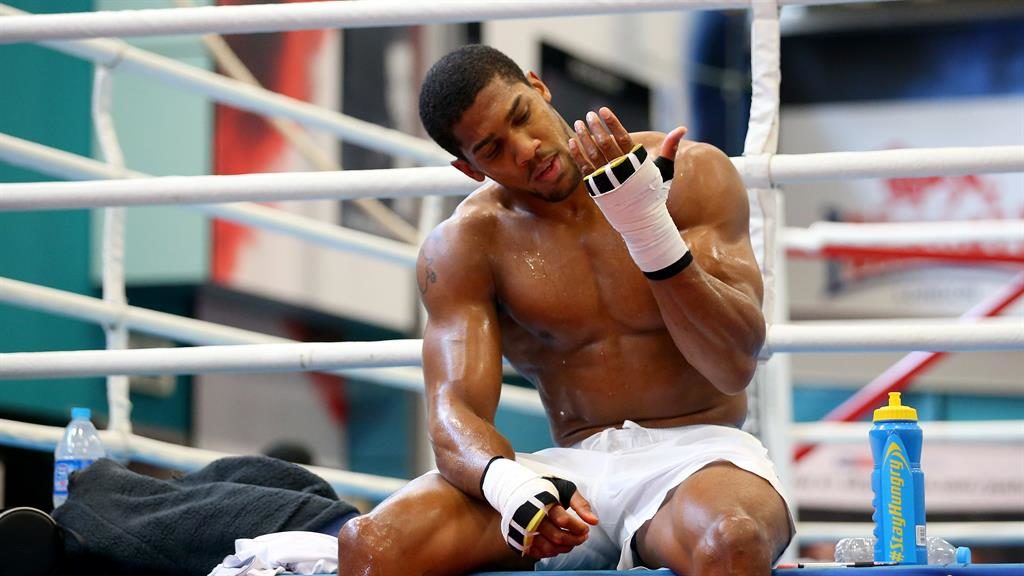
x,y
513,135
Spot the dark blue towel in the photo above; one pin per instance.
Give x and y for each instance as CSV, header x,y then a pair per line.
x,y
136,524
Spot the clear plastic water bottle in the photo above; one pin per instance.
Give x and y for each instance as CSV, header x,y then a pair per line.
x,y
79,447
855,550
940,552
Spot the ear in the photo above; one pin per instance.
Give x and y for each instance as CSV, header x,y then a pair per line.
x,y
537,84
467,169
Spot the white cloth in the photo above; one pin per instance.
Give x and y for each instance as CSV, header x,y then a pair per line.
x,y
294,552
626,474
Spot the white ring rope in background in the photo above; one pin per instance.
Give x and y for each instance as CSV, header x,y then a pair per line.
x,y
185,458
959,431
57,162
246,97
334,14
446,181
193,331
402,182
1005,334
917,234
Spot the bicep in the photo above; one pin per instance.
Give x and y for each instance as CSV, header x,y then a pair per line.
x,y
462,359
461,343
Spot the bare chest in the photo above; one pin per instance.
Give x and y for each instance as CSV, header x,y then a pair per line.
x,y
569,286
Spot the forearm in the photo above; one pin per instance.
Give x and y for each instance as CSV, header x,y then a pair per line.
x,y
464,443
718,328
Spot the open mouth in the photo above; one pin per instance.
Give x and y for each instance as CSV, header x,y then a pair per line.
x,y
548,171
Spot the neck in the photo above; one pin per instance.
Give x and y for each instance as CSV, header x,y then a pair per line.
x,y
577,205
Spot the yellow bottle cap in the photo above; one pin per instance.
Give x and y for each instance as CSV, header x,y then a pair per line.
x,y
895,410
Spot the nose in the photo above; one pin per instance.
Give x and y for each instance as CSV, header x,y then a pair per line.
x,y
525,148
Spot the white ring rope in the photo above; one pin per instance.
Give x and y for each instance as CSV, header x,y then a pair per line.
x,y
895,163
192,331
960,431
45,159
185,458
858,336
401,182
445,181
335,14
244,96
250,358
903,234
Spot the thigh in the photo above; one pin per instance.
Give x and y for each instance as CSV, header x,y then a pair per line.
x,y
428,526
718,491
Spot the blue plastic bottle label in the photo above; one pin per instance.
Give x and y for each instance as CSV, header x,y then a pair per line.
x,y
900,535
62,470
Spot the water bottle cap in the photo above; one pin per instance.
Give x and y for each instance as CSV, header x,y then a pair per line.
x,y
895,410
81,414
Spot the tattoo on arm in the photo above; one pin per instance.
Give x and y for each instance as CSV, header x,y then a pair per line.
x,y
429,276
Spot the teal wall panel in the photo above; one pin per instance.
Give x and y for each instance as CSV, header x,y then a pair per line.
x,y
46,99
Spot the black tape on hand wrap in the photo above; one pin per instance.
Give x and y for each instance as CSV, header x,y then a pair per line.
x,y
622,168
565,488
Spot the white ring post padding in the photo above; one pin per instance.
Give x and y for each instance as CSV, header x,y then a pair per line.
x,y
957,533
336,14
246,97
119,404
408,182
190,330
45,159
988,431
939,335
176,457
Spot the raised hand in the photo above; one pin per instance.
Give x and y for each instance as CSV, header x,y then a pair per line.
x,y
598,140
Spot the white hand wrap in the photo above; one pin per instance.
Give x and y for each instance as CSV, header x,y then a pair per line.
x,y
629,192
523,499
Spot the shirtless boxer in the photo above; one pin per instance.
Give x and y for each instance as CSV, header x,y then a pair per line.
x,y
638,320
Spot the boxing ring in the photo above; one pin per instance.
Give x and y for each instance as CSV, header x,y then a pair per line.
x,y
112,186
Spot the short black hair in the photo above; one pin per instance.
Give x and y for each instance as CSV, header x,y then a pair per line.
x,y
452,84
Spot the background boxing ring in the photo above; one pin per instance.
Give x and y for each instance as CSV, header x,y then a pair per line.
x,y
388,363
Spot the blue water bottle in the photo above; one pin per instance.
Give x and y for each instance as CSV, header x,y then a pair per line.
x,y
898,484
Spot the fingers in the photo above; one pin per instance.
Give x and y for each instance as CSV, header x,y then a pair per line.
x,y
598,140
671,143
582,507
582,161
551,539
618,133
587,148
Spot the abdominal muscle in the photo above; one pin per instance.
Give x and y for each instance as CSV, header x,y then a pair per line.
x,y
638,377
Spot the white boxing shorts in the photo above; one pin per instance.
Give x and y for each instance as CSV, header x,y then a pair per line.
x,y
626,474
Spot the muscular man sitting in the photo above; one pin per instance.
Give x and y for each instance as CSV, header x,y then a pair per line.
x,y
632,301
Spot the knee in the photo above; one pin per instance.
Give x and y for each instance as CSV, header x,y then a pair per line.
x,y
362,545
734,544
